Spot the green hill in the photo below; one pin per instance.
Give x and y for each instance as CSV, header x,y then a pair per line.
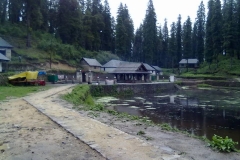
x,y
45,46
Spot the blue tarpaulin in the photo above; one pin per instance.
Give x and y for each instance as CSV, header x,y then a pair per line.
x,y
41,73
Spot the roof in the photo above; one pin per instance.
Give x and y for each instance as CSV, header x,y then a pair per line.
x,y
4,44
190,61
112,64
157,68
92,62
3,58
130,67
148,67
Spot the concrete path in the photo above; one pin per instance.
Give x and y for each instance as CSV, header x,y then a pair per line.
x,y
110,142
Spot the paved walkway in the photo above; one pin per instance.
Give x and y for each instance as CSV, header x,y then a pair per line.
x,y
110,142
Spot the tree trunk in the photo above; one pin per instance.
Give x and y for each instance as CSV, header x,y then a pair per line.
x,y
28,44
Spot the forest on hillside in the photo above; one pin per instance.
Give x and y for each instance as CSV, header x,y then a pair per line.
x,y
88,25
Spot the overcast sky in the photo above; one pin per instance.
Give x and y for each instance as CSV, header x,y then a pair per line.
x,y
169,9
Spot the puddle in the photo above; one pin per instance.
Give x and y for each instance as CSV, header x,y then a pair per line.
x,y
200,112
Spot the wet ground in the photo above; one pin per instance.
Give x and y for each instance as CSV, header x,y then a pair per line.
x,y
199,112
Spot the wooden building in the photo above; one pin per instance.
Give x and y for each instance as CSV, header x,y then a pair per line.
x,y
130,72
5,48
189,63
3,60
111,65
89,64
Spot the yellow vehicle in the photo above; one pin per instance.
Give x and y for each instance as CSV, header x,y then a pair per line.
x,y
26,78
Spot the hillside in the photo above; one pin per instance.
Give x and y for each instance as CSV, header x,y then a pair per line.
x,y
45,46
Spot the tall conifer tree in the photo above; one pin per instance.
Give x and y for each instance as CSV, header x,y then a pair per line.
x,y
179,39
200,26
187,42
150,35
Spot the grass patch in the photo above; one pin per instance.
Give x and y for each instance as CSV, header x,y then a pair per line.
x,y
203,85
7,92
80,95
202,76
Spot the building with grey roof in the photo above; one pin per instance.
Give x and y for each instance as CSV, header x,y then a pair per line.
x,y
5,53
111,65
89,64
158,71
5,48
131,72
190,63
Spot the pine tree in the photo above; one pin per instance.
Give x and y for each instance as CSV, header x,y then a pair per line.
x,y
150,35
160,55
97,27
195,41
237,35
217,30
187,42
14,10
69,22
124,33
179,39
200,26
229,28
137,45
209,49
106,34
3,11
113,43
165,44
173,44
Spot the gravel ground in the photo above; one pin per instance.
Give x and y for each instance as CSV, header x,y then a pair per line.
x,y
27,134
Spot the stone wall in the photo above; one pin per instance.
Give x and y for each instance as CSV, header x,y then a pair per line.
x,y
223,83
130,89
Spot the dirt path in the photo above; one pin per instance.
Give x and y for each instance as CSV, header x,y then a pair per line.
x,y
110,142
27,134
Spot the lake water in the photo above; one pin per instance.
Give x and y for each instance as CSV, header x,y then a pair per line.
x,y
199,112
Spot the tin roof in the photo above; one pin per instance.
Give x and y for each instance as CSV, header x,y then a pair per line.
x,y
157,68
4,44
112,64
148,67
130,67
3,58
92,62
190,61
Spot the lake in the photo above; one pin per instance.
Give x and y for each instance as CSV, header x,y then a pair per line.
x,y
200,112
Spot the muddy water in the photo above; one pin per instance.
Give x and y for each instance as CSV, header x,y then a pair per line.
x,y
199,112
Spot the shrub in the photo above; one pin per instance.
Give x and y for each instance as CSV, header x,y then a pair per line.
x,y
223,144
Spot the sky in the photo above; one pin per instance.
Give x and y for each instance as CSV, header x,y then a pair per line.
x,y
169,9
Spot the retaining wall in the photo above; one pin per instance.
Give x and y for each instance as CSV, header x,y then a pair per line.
x,y
129,89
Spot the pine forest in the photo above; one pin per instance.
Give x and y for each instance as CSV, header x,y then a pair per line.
x,y
71,29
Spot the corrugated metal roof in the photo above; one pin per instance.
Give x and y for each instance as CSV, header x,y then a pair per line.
x,y
92,62
130,67
190,61
157,68
148,67
4,44
3,58
112,64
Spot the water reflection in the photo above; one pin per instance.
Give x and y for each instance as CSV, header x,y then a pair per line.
x,y
199,112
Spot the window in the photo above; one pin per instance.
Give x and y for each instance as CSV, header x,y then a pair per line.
x,y
95,67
